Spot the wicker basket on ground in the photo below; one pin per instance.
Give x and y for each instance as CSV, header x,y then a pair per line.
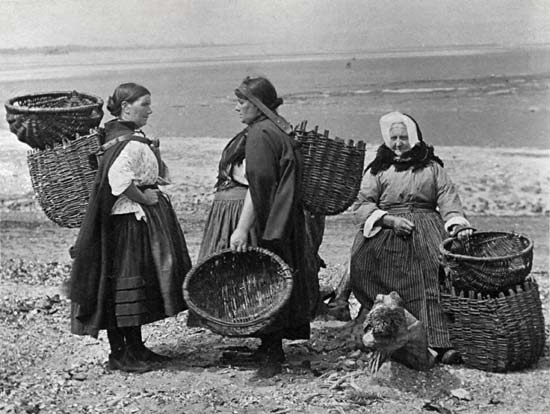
x,y
489,262
237,294
44,119
499,334
333,170
62,178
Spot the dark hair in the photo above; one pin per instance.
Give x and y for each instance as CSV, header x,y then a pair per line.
x,y
262,89
129,92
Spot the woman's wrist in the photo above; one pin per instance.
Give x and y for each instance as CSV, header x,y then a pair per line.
x,y
388,221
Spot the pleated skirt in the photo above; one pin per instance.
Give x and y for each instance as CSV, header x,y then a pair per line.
x,y
148,263
409,266
222,221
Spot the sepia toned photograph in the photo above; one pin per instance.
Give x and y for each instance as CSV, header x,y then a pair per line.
x,y
251,206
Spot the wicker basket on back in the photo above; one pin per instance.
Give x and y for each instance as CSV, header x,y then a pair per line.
x,y
237,294
333,170
489,262
62,178
44,119
497,333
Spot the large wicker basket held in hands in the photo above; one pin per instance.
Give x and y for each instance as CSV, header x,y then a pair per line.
x,y
497,334
489,262
238,294
62,178
44,119
333,170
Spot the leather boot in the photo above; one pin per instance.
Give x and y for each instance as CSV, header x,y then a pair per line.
x,y
125,361
135,343
271,363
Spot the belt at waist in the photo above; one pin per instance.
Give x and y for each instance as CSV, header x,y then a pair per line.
x,y
407,207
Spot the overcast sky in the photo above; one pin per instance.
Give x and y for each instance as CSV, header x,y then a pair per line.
x,y
292,25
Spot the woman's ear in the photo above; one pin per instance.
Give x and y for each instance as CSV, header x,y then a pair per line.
x,y
124,106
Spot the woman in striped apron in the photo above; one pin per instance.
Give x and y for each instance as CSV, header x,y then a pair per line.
x,y
406,206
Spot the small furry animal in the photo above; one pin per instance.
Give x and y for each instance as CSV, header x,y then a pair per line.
x,y
390,331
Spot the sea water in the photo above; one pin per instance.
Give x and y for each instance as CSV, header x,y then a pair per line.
x,y
488,97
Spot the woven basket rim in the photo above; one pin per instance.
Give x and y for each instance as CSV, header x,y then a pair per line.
x,y
526,286
447,253
64,143
350,143
284,266
10,107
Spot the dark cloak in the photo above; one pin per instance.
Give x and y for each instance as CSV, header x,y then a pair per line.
x,y
273,168
91,268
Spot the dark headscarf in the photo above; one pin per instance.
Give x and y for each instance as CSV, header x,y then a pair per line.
x,y
262,89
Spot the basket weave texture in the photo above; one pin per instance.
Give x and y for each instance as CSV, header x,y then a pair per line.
x,y
489,262
333,170
498,334
45,119
237,294
62,178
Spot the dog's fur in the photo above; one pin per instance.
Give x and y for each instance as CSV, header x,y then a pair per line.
x,y
389,329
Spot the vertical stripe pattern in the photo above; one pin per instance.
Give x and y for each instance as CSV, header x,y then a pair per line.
x,y
409,266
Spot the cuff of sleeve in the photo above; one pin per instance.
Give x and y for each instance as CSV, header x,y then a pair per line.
x,y
456,221
369,229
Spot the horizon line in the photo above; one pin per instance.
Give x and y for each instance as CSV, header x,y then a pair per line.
x,y
67,48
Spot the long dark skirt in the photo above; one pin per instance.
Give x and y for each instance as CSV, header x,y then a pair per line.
x,y
409,266
292,322
148,265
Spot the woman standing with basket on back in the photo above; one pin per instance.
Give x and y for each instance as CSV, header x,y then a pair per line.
x,y
406,207
130,257
257,203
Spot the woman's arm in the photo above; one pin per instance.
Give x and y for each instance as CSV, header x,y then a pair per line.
x,y
148,197
239,238
449,203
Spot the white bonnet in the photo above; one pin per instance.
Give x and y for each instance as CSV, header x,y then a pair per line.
x,y
391,118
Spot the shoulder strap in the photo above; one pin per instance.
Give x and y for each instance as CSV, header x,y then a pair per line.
x,y
282,123
122,138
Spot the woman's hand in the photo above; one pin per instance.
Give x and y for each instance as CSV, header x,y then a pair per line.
x,y
400,225
151,196
461,232
239,240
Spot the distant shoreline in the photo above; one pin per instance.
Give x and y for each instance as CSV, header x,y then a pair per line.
x,y
67,49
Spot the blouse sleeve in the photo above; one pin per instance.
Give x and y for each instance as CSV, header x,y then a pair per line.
x,y
448,200
366,209
124,169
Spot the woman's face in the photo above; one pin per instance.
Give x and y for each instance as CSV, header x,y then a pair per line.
x,y
138,111
248,112
399,139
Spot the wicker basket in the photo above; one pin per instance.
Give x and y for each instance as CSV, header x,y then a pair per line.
x,y
237,294
489,262
62,178
499,334
333,170
45,119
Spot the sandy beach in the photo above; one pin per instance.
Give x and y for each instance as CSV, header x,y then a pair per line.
x,y
491,131
503,189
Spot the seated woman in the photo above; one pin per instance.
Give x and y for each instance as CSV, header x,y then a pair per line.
x,y
130,257
406,206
